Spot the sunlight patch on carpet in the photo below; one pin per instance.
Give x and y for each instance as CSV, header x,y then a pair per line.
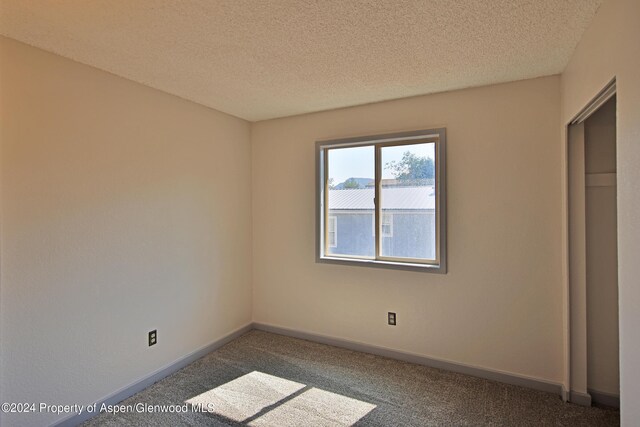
x,y
260,399
317,408
245,396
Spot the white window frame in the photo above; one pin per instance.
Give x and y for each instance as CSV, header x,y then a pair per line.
x,y
436,136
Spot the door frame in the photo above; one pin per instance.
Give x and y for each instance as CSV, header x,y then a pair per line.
x,y
574,251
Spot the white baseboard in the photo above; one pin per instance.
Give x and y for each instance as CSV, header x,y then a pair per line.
x,y
604,398
580,398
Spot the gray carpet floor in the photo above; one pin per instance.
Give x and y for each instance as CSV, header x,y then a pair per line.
x,y
265,379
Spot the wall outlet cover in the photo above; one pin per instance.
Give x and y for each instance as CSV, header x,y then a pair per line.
x,y
153,337
391,318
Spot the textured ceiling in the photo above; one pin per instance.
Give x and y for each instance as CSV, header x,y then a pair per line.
x,y
260,59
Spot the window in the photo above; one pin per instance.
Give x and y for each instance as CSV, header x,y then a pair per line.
x,y
387,225
332,232
391,184
386,228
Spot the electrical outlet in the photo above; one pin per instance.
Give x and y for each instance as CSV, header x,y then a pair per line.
x,y
391,318
153,337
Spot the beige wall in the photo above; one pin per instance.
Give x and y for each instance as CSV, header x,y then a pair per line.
x,y
124,210
500,305
610,48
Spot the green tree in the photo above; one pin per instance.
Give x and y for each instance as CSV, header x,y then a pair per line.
x,y
412,167
331,185
351,183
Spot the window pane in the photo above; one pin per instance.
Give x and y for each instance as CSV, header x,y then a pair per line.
x,y
351,174
408,201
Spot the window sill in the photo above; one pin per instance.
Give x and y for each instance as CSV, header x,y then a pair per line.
x,y
427,268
